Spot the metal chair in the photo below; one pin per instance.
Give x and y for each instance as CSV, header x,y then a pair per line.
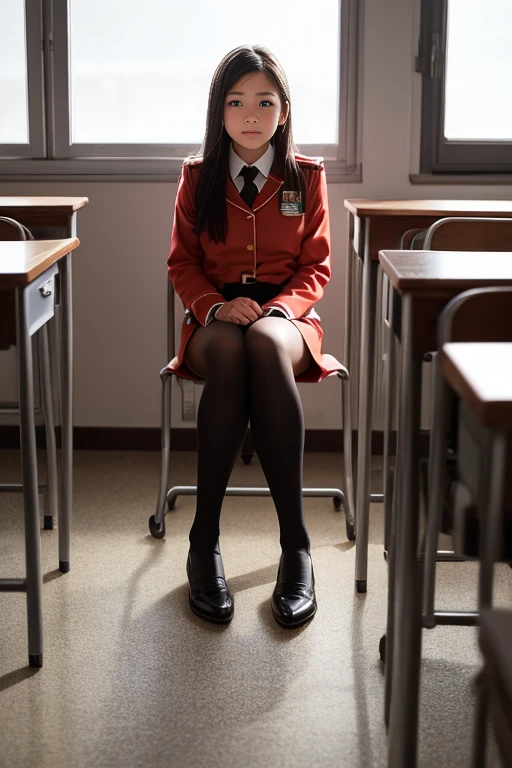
x,y
12,229
167,496
478,315
469,233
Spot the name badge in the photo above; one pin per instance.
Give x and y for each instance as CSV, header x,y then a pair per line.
x,y
291,203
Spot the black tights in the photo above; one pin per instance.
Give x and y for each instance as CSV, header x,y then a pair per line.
x,y
248,378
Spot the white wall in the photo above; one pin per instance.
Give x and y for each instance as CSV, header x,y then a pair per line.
x,y
120,267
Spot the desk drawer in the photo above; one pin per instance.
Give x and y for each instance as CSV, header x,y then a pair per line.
x,y
40,299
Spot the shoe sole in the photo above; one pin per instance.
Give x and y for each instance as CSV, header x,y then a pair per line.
x,y
208,617
297,624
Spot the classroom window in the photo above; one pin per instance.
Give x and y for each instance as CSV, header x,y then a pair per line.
x,y
126,83
13,73
466,62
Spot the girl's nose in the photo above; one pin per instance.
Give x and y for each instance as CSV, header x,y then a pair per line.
x,y
251,119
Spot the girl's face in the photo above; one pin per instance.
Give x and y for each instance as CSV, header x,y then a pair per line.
x,y
252,112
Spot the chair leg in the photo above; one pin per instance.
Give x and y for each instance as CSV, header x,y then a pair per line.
x,y
50,511
167,497
157,521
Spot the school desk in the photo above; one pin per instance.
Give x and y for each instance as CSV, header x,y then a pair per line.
x,y
422,283
53,218
30,268
374,225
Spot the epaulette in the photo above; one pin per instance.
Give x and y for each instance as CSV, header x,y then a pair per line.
x,y
313,163
192,162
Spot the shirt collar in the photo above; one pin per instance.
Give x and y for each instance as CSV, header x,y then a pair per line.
x,y
264,164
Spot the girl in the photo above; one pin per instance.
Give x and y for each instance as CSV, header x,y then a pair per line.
x,y
249,258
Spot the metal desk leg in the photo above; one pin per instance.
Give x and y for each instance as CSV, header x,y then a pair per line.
x,y
348,469
437,485
392,588
490,506
52,473
67,415
368,312
391,500
390,398
349,304
34,581
407,614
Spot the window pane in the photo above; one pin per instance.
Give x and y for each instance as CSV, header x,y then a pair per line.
x,y
144,77
13,73
479,70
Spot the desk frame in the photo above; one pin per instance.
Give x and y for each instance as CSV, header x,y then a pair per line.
x,y
405,604
52,223
374,226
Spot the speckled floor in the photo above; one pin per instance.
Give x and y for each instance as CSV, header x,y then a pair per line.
x,y
132,678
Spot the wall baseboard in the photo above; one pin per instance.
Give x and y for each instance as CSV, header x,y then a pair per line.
x,y
148,439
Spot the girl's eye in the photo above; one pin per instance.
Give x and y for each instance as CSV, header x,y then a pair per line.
x,y
238,103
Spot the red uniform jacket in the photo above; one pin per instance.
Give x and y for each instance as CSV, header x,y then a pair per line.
x,y
262,242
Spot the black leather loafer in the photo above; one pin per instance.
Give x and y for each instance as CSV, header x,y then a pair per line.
x,y
209,596
293,599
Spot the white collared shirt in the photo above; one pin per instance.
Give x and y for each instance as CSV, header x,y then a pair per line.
x,y
263,164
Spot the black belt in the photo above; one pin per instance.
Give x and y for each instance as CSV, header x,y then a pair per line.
x,y
259,292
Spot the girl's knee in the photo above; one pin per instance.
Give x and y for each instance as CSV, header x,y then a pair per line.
x,y
263,343
225,347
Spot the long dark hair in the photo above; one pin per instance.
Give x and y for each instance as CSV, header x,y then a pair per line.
x,y
211,213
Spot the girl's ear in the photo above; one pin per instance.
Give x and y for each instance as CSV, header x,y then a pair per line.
x,y
284,113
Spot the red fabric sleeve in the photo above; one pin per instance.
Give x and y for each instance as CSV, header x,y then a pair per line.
x,y
186,257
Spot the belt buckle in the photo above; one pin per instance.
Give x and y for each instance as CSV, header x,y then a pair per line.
x,y
248,279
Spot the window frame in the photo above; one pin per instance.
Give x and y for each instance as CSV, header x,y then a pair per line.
x,y
50,156
35,86
439,155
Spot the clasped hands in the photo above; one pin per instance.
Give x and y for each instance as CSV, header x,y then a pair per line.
x,y
241,311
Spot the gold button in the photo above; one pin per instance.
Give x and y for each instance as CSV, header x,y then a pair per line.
x,y
250,248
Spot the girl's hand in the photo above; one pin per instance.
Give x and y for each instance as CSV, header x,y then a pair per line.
x,y
241,311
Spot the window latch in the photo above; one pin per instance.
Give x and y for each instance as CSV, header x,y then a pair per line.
x,y
434,56
428,58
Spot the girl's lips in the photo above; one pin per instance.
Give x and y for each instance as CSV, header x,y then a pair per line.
x,y
251,133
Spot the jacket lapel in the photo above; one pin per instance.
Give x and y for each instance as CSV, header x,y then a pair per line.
x,y
272,185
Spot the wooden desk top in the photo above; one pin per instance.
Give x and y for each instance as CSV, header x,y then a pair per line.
x,y
481,374
440,208
9,205
446,271
23,261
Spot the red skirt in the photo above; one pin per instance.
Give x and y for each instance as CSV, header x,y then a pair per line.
x,y
311,331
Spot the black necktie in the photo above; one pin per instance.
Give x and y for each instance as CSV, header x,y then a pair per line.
x,y
249,190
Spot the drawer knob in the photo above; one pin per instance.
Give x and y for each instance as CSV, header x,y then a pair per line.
x,y
46,289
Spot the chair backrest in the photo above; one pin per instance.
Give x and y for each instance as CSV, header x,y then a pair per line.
x,y
412,239
10,229
459,233
482,314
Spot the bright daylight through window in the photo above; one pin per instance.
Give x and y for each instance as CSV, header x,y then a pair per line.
x,y
141,76
13,73
478,105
